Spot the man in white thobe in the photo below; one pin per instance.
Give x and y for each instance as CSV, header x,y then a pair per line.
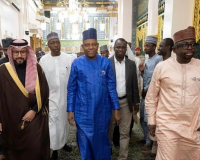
x,y
56,66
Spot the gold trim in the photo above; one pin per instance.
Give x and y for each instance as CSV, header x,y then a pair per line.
x,y
196,19
21,87
38,94
160,29
141,34
144,18
22,126
16,79
113,14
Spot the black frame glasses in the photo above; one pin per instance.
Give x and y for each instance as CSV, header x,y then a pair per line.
x,y
17,52
186,45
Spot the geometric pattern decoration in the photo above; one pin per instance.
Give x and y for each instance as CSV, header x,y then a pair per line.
x,y
107,26
160,28
66,30
196,24
72,46
196,19
141,34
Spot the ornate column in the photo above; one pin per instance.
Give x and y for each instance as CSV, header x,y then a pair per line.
x,y
134,22
196,24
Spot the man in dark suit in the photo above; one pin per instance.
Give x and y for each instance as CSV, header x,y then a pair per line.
x,y
127,89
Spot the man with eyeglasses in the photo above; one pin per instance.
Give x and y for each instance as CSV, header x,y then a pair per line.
x,y
5,43
173,101
24,96
91,98
57,66
127,90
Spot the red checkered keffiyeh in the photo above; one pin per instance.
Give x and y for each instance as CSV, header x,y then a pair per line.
x,y
31,67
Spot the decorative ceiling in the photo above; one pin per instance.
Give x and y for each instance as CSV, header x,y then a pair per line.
x,y
48,4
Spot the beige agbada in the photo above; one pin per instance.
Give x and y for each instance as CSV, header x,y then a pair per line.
x,y
173,105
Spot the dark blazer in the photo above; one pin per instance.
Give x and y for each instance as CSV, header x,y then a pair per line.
x,y
132,92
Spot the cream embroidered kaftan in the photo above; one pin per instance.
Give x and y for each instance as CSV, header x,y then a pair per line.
x,y
173,105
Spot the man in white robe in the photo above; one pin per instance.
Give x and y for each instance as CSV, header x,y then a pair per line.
x,y
56,66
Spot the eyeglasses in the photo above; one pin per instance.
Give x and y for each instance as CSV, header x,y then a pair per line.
x,y
17,52
119,47
186,45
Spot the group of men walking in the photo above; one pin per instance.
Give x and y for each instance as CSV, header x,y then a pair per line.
x,y
99,92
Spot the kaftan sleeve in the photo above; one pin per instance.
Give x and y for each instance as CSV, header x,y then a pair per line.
x,y
111,81
152,98
72,89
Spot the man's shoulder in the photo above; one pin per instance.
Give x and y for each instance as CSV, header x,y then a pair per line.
x,y
2,65
111,58
130,61
78,60
196,61
163,64
68,57
39,67
46,56
2,68
159,57
63,54
105,60
4,60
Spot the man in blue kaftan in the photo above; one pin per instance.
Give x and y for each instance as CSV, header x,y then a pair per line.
x,y
91,97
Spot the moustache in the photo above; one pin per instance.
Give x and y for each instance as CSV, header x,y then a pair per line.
x,y
20,59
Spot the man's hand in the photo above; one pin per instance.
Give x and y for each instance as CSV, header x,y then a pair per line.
x,y
152,130
136,108
141,67
71,118
29,116
117,116
0,128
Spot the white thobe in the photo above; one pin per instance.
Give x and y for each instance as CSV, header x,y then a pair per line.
x,y
140,80
57,70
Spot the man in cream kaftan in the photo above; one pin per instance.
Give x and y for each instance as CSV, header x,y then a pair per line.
x,y
173,102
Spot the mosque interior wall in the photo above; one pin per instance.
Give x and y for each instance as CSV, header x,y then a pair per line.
x,y
9,21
